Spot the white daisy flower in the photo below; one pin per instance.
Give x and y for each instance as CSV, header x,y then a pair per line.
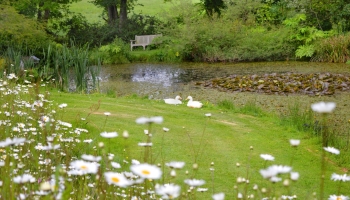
x,y
85,167
107,113
145,120
338,197
294,176
24,179
323,107
146,171
274,170
117,179
218,196
332,150
194,182
168,191
294,142
337,177
175,164
109,134
267,157
115,165
63,105
91,158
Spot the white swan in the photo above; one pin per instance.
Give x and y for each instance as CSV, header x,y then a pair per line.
x,y
193,104
175,101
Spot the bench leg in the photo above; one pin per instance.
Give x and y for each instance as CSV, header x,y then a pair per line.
x,y
144,47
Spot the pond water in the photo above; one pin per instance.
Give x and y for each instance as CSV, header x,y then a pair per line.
x,y
159,81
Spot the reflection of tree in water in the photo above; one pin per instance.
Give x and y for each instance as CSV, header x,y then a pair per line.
x,y
164,75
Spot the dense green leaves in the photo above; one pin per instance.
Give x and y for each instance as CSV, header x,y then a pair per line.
x,y
16,30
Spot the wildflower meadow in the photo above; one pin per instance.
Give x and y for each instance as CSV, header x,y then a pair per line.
x,y
45,156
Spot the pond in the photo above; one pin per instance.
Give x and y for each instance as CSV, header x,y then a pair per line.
x,y
158,81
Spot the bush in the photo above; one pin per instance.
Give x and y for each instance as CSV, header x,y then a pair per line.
x,y
116,52
82,32
16,30
333,49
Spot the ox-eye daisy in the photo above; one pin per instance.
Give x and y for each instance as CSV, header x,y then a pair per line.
x,y
109,134
85,167
168,191
194,182
117,179
146,171
332,150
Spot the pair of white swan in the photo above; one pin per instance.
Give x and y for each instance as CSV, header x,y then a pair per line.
x,y
190,103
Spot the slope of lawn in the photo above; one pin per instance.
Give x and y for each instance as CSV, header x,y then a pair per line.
x,y
146,7
220,142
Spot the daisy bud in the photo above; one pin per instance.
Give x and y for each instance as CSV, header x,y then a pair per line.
x,y
100,144
195,166
286,182
173,173
125,134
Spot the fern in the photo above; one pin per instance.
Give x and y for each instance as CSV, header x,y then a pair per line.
x,y
305,51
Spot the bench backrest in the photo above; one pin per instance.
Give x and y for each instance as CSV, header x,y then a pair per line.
x,y
145,39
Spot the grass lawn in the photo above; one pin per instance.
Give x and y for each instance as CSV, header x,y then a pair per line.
x,y
224,139
146,7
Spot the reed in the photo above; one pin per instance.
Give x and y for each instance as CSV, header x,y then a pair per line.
x,y
333,49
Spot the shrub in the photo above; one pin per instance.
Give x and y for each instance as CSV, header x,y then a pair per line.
x,y
333,49
16,30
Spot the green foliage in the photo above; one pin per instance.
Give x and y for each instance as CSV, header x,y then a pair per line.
x,y
251,108
333,49
300,118
116,52
18,31
82,32
305,51
226,104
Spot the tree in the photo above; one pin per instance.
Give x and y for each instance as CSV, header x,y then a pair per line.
x,y
111,8
213,6
42,9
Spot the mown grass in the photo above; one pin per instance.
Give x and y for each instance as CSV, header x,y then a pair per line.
x,y
146,7
224,139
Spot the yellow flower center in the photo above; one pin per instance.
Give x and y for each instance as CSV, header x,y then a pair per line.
x,y
115,179
145,172
339,198
83,167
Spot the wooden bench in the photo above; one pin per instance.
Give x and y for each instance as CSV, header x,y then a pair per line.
x,y
142,40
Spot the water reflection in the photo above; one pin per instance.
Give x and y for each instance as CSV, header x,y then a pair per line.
x,y
169,80
165,76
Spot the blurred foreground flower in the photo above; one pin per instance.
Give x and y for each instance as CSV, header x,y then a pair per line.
x,y
146,171
109,134
24,179
84,167
175,164
194,182
332,150
274,170
294,142
168,191
337,177
336,197
117,179
219,196
145,120
323,107
267,157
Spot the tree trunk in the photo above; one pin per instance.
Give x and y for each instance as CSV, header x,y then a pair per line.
x,y
40,15
112,14
123,14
